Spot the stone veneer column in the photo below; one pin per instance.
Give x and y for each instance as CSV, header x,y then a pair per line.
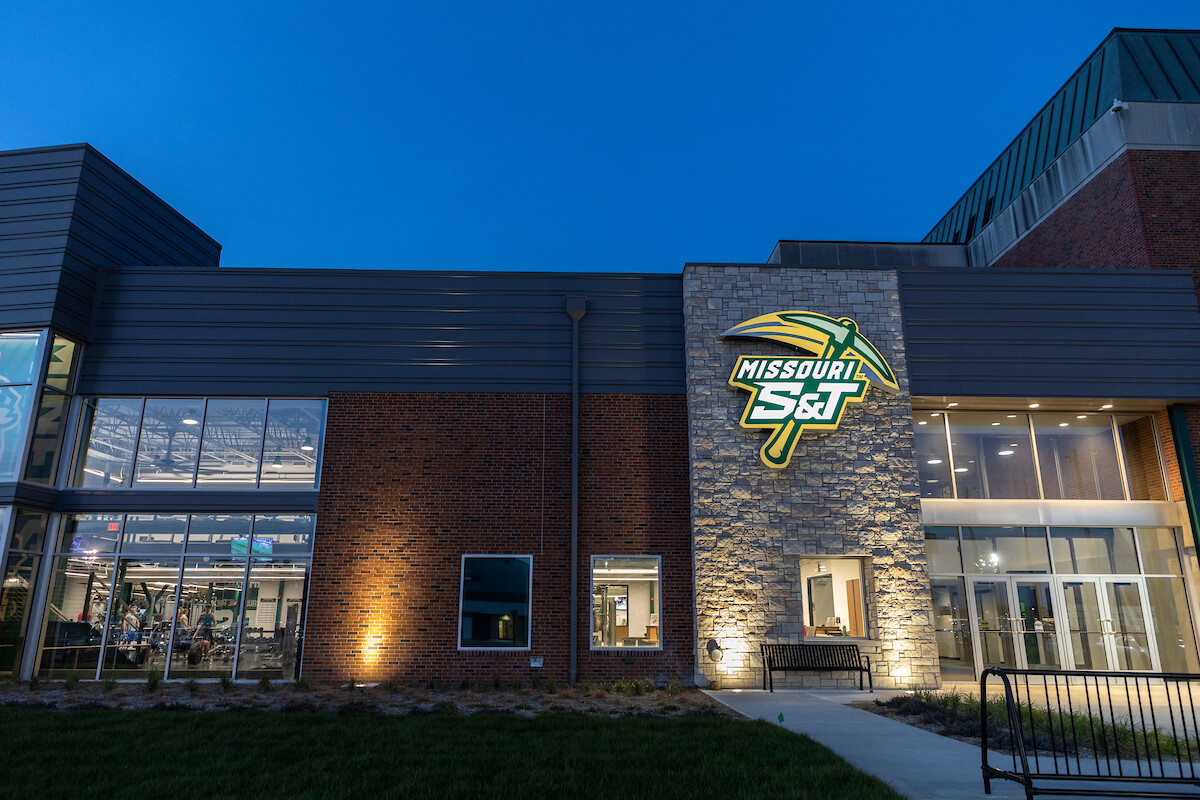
x,y
851,492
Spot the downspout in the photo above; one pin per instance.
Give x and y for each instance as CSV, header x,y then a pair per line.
x,y
1187,467
576,308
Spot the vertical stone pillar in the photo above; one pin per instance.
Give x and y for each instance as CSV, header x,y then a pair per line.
x,y
849,492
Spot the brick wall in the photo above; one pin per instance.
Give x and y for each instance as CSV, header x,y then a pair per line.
x,y
411,482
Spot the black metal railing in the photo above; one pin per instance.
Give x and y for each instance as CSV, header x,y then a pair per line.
x,y
1136,732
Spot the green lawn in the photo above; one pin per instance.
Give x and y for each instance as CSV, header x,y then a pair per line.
x,y
152,754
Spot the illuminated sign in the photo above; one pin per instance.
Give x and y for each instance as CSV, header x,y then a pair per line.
x,y
791,395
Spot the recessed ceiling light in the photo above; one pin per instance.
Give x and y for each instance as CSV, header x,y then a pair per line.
x,y
951,405
306,447
1012,416
1014,444
934,461
1107,405
1063,424
932,480
277,465
190,421
1082,416
994,424
1034,405
936,414
1005,453
922,422
960,469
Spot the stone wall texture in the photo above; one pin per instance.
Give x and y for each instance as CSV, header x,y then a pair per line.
x,y
849,492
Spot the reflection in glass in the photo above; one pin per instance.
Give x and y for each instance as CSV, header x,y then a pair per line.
x,y
1142,465
16,594
110,429
169,442
62,357
952,630
941,546
995,624
1077,457
1172,625
1001,549
625,602
91,533
1037,624
1128,625
273,620
47,437
1084,625
1094,551
284,533
75,616
29,530
233,431
833,597
18,356
1160,556
933,457
139,622
216,533
291,450
992,455
154,533
14,411
495,602
209,603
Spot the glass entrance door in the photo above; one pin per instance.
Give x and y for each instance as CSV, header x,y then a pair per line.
x,y
1015,622
1106,619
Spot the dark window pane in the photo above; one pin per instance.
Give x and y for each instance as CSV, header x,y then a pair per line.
x,y
47,437
495,602
933,458
29,530
992,456
169,443
233,432
1077,457
16,593
292,450
110,429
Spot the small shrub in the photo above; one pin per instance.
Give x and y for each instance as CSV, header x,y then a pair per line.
x,y
435,684
390,686
350,685
109,684
153,679
226,682
551,686
71,682
264,684
518,685
674,686
191,685
585,686
446,707
303,685
497,684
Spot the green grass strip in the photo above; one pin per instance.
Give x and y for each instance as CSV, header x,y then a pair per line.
x,y
112,753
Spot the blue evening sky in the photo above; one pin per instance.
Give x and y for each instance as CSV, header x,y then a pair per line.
x,y
547,135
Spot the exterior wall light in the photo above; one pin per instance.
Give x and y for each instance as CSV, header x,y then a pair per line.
x,y
715,653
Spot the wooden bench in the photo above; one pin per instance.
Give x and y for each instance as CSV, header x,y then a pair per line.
x,y
814,658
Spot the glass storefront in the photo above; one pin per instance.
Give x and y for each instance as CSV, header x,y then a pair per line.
x,y
1060,597
199,596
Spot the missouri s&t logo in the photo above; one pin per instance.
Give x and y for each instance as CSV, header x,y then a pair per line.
x,y
791,395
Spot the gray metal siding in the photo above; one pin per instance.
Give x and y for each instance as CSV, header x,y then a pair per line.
x,y
309,332
1014,333
1130,65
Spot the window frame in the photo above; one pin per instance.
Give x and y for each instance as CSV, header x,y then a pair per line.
x,y
592,593
462,583
863,575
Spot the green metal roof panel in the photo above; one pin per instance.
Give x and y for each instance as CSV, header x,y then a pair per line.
x,y
1137,65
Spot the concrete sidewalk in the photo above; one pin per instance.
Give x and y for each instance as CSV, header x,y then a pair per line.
x,y
916,763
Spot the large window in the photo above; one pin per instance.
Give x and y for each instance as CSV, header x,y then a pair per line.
x,y
834,597
219,443
625,602
997,455
494,606
200,596
18,372
20,580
